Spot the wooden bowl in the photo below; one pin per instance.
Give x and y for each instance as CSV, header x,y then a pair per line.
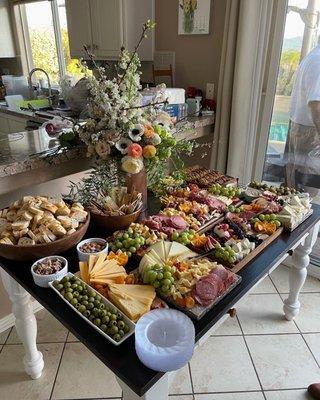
x,y
116,222
28,253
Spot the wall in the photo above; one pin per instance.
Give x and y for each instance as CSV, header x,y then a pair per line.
x,y
197,56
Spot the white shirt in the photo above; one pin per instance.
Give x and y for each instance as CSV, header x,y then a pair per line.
x,y
306,88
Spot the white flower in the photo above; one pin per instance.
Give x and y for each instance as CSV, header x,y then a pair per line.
x,y
102,149
123,144
132,165
136,132
155,140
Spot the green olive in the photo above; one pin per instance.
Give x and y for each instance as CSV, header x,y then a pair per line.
x,y
87,313
91,299
59,287
74,286
102,313
68,290
92,293
96,303
92,318
121,324
96,311
90,306
84,302
78,282
105,319
68,296
85,297
67,284
116,337
73,301
113,317
121,332
97,321
82,308
64,279
80,288
114,329
102,306
126,329
103,327
112,322
75,294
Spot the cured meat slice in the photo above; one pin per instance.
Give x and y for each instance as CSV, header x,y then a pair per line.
x,y
220,271
206,290
177,222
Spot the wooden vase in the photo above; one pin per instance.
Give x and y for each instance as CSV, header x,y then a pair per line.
x,y
138,182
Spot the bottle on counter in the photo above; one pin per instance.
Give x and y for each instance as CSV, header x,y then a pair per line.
x,y
2,90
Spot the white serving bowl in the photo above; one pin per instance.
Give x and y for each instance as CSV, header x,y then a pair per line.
x,y
43,280
85,256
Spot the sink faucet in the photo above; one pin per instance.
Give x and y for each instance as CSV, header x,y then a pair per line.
x,y
48,79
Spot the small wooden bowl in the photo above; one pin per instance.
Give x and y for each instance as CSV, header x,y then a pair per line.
x,y
28,253
116,222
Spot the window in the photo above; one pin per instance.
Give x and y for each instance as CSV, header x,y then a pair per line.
x,y
46,39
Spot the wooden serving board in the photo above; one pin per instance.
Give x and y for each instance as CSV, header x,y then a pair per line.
x,y
241,264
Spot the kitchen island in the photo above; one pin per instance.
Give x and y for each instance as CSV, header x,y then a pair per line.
x,y
32,157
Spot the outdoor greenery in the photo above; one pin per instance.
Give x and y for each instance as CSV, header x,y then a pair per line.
x,y
288,65
44,53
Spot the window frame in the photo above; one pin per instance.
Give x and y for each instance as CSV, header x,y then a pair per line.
x,y
57,35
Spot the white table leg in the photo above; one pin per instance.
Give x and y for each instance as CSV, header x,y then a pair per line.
x,y
26,325
159,391
298,273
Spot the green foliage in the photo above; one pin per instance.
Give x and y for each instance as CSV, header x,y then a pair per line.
x,y
288,65
103,177
44,53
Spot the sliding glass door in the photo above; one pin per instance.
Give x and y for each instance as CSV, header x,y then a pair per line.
x,y
288,140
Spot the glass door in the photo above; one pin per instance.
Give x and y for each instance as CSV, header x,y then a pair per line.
x,y
293,149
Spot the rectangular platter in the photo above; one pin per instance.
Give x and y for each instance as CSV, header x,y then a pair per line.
x,y
109,305
198,312
300,222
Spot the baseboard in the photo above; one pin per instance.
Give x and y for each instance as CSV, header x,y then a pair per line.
x,y
9,320
314,271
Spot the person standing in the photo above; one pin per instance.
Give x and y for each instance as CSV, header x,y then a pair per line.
x,y
302,151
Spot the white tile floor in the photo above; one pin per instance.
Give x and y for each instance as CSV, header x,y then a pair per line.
x,y
256,356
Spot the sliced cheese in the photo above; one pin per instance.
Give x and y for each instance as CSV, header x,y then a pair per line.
x,y
84,271
136,291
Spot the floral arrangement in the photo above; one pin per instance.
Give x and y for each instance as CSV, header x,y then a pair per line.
x,y
189,7
120,128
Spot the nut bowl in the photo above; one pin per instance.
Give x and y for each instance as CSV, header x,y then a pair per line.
x,y
43,280
84,256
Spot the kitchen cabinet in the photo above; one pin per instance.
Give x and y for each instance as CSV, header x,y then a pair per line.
x,y
7,49
105,25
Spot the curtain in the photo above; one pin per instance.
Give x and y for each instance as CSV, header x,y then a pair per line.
x,y
247,35
224,94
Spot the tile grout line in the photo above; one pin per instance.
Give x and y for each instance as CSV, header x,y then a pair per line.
x,y
59,364
254,367
295,323
191,380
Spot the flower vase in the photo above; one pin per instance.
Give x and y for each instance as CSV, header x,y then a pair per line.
x,y
188,22
138,182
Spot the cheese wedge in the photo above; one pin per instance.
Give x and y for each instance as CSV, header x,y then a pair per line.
x,y
84,271
133,300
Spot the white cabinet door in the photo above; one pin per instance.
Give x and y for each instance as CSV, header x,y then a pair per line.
x,y
107,28
6,35
79,26
136,13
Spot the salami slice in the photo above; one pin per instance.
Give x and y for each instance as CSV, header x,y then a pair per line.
x,y
220,271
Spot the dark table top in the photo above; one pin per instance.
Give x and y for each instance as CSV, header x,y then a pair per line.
x,y
122,360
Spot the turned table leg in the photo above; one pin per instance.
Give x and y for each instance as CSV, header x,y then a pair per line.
x,y
298,273
159,391
26,325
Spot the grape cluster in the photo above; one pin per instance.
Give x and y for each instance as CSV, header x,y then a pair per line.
x,y
272,218
160,277
92,306
128,242
227,191
234,209
225,253
183,237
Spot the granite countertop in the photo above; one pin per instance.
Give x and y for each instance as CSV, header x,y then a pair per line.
x,y
30,150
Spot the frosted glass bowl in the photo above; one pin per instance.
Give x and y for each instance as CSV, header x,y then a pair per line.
x,y
164,339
